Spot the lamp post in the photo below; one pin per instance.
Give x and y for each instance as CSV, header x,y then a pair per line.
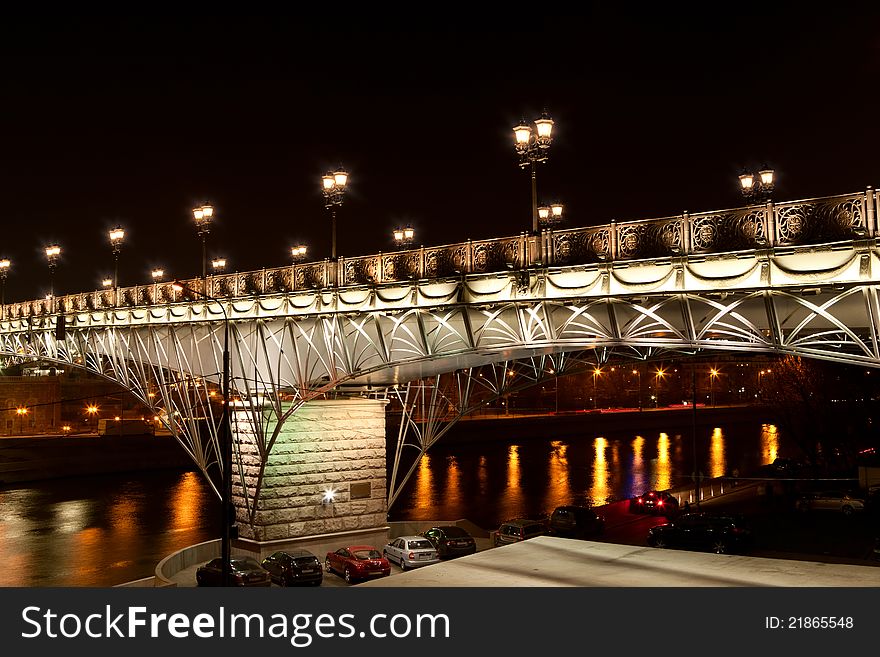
x,y
4,272
403,237
21,412
758,189
226,446
597,372
107,283
333,187
116,237
713,374
658,378
299,253
157,275
638,373
53,252
532,149
218,265
203,215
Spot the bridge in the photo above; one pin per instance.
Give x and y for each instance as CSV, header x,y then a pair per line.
x,y
787,278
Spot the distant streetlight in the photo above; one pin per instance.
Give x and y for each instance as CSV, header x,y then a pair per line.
x,y
203,216
5,265
597,372
532,148
758,188
53,252
638,373
107,283
713,374
157,275
116,237
659,373
21,412
299,252
403,237
218,265
333,187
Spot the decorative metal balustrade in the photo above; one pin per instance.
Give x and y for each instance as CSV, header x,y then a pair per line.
x,y
814,221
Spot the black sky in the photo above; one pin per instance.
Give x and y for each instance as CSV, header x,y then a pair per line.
x,y
657,108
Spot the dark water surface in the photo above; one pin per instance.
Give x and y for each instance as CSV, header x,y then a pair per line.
x,y
108,529
101,530
489,482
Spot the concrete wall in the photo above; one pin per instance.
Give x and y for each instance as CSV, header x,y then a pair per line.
x,y
324,445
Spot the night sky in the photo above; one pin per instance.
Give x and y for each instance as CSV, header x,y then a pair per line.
x,y
656,110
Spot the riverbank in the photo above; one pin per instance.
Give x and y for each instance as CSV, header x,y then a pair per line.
x,y
38,458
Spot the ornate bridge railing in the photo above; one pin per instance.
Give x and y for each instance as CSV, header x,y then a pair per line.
x,y
813,221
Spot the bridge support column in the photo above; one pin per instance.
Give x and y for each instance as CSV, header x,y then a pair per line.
x,y
325,472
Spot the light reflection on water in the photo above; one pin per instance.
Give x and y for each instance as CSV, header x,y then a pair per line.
x,y
101,530
491,481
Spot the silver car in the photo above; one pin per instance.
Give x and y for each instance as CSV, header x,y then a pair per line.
x,y
411,552
831,501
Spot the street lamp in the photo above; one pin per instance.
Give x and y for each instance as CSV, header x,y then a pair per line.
x,y
218,265
333,187
550,215
639,374
226,445
107,283
532,148
403,237
157,275
4,272
758,188
21,412
116,237
713,374
203,215
299,252
53,252
597,372
658,378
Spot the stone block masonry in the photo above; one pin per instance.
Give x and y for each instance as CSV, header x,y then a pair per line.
x,y
332,445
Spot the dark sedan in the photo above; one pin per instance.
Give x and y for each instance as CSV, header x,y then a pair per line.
x,y
702,531
245,571
450,541
294,567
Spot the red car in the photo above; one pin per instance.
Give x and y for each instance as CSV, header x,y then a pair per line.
x,y
357,562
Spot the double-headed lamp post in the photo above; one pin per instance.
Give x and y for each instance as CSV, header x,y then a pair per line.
x,y
116,237
550,215
333,187
53,252
403,237
299,253
758,188
532,148
225,445
5,265
203,216
218,265
157,275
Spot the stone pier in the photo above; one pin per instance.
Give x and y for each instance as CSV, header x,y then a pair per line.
x,y
327,449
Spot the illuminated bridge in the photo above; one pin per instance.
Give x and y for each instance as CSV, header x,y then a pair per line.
x,y
787,278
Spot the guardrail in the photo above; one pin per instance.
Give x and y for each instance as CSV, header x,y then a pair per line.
x,y
812,221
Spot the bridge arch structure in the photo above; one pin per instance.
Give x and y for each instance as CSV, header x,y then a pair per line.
x,y
792,278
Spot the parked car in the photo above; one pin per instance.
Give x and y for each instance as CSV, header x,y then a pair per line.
x,y
244,571
357,562
294,567
576,522
519,529
450,541
830,501
654,501
702,531
411,552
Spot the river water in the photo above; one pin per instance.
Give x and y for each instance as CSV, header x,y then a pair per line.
x,y
108,529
